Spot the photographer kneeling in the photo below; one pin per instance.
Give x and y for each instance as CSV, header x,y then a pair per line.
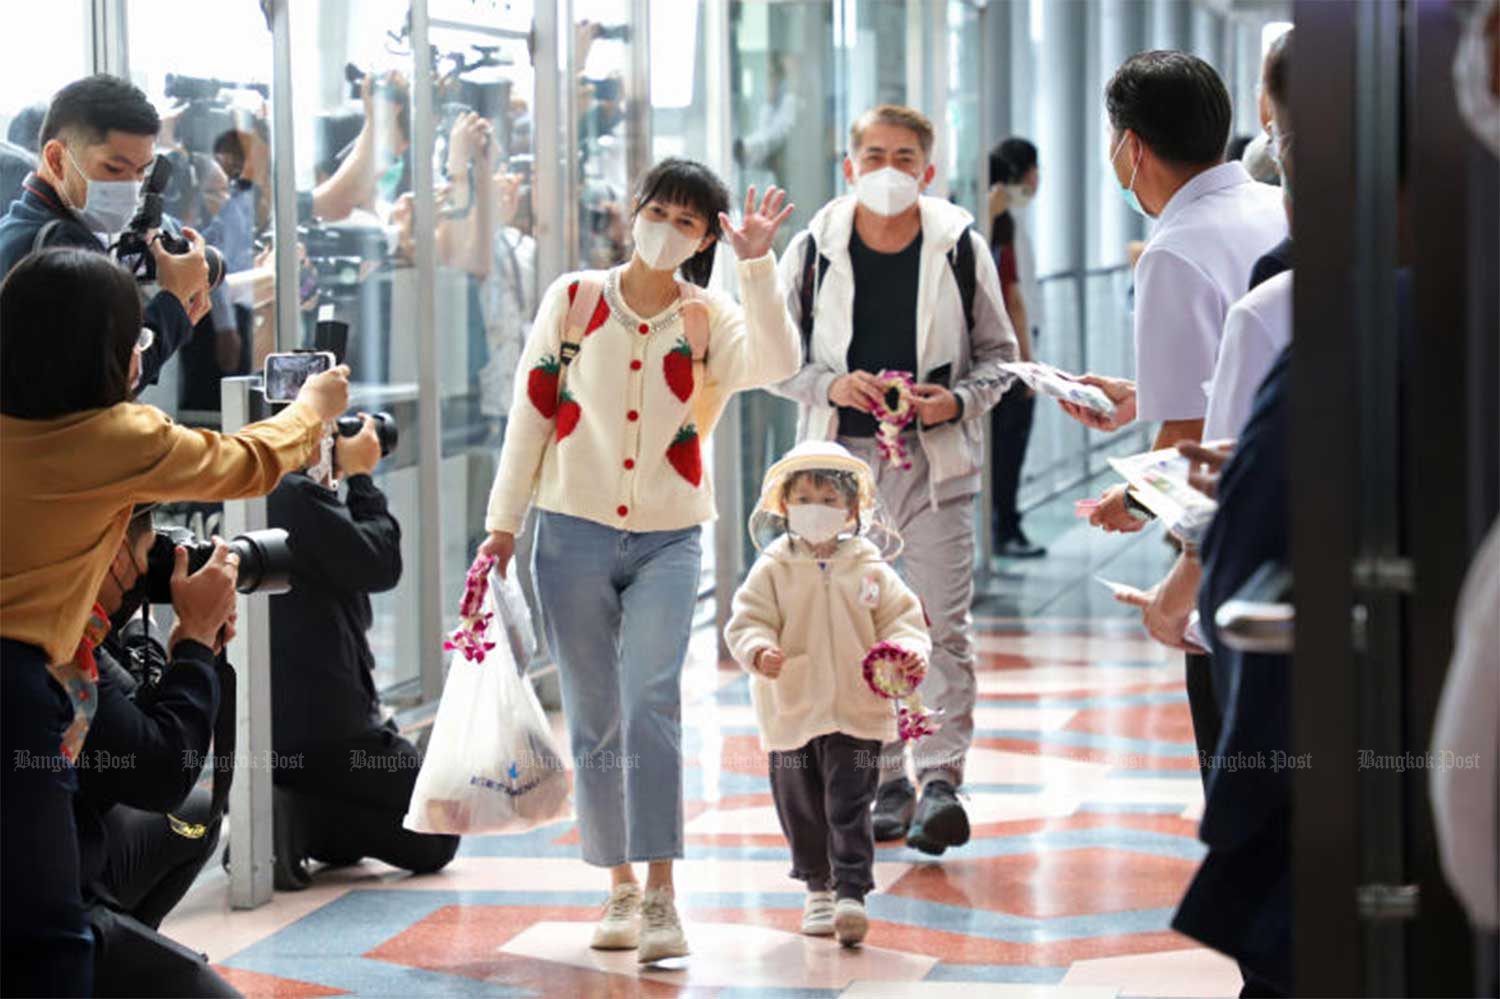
x,y
347,798
97,142
144,831
76,456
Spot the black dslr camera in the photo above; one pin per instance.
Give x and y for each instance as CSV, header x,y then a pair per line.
x,y
385,429
265,560
134,245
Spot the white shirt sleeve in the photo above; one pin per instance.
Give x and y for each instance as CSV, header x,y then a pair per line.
x,y
1245,356
1465,742
1179,316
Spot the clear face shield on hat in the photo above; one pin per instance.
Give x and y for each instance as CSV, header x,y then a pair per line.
x,y
822,511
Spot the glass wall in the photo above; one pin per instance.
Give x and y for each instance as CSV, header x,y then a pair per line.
x,y
33,65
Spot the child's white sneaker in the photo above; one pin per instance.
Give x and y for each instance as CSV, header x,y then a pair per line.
x,y
661,930
620,926
850,924
817,914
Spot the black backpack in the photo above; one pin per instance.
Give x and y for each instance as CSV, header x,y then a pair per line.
x,y
815,265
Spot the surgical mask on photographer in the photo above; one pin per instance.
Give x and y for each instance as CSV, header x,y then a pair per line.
x,y
133,598
887,191
662,247
109,204
816,523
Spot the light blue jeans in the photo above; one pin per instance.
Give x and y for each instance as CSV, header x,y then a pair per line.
x,y
618,610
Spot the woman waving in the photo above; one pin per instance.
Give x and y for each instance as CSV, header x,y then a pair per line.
x,y
621,381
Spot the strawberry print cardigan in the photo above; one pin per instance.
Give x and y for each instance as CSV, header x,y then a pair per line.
x,y
620,446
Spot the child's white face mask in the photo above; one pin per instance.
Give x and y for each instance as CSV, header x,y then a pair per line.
x,y
815,523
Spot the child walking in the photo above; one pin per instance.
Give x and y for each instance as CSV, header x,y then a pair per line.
x,y
819,598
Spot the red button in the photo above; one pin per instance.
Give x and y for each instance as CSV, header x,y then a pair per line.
x,y
632,416
644,328
622,511
635,365
629,462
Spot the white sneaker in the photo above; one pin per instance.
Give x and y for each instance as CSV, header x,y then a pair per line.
x,y
661,930
817,914
850,924
620,926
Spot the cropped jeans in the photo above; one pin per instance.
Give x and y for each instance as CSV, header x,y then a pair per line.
x,y
618,611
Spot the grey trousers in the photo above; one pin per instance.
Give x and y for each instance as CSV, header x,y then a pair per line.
x,y
938,563
823,792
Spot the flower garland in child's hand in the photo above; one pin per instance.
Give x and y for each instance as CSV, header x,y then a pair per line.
x,y
894,673
894,386
474,620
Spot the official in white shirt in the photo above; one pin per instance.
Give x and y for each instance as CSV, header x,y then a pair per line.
x,y
1169,120
1257,330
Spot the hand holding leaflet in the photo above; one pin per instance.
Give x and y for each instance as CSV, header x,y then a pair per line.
x,y
1048,380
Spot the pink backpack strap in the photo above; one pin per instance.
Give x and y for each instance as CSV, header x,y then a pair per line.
x,y
586,298
694,319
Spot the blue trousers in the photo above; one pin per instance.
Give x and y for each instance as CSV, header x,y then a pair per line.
x,y
618,611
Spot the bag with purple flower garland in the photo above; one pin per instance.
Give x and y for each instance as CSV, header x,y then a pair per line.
x,y
491,764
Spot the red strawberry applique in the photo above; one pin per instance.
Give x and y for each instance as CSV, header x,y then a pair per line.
x,y
685,455
678,366
568,413
541,385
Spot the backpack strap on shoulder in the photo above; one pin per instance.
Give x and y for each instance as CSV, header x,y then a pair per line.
x,y
585,296
961,260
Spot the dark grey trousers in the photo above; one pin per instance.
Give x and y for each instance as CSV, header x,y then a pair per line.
x,y
823,793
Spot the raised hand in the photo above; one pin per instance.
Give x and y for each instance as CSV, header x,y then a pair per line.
x,y
753,238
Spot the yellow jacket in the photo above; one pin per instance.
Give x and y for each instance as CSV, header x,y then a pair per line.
x,y
67,487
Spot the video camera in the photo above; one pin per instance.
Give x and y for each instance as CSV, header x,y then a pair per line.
x,y
134,244
265,560
207,116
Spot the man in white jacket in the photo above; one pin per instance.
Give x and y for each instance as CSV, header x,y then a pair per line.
x,y
886,279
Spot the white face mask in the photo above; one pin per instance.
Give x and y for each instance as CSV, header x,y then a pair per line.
x,y
660,246
887,191
815,523
1471,81
1019,196
109,204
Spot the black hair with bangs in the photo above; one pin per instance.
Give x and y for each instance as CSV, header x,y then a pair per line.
x,y
692,185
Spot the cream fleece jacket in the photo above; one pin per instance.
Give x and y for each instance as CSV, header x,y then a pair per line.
x,y
824,616
622,450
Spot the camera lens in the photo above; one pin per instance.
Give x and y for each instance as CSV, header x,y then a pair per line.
x,y
385,429
265,561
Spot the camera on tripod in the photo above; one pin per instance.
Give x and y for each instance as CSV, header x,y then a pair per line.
x,y
133,248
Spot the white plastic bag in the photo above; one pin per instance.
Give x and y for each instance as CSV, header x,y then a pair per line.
x,y
515,620
491,765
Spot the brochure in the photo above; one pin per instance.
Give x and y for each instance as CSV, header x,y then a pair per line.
x,y
1048,380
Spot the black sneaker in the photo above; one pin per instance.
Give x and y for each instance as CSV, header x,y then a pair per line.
x,y
894,804
1018,545
940,821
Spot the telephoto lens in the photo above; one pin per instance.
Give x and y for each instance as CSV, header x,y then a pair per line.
x,y
385,429
265,560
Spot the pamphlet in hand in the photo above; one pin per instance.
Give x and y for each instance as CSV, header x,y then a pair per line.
x,y
1048,380
1159,481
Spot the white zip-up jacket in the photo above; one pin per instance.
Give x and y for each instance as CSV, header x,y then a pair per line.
x,y
955,451
825,616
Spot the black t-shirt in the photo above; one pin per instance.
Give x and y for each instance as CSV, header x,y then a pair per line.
x,y
885,319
